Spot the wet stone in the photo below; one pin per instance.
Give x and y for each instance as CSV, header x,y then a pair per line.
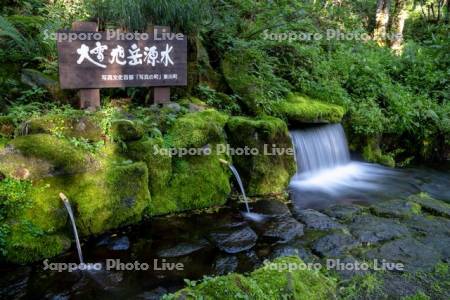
x,y
234,240
397,286
370,229
334,245
429,225
440,243
397,208
435,207
225,264
347,273
343,212
413,254
316,220
270,207
183,248
292,250
282,229
115,243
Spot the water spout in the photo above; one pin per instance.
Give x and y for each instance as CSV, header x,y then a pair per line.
x,y
241,186
74,226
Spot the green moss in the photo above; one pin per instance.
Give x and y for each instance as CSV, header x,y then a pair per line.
x,y
302,109
105,199
196,182
127,130
262,174
365,286
185,182
197,129
31,228
372,153
64,157
430,205
75,125
264,283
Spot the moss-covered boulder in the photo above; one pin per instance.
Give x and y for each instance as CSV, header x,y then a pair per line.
x,y
267,171
127,130
283,278
46,153
104,199
372,153
78,125
302,109
31,226
180,181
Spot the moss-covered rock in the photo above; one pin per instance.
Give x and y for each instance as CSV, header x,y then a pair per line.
x,y
185,182
197,129
31,225
73,126
63,156
433,206
262,173
273,281
127,130
105,199
302,109
372,153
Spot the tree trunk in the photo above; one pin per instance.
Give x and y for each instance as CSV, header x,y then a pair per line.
x,y
381,21
398,23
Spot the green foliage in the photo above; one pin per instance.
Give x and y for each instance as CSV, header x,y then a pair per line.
x,y
362,287
249,72
218,100
185,16
264,283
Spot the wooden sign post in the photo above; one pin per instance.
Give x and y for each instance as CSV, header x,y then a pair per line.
x,y
88,98
90,60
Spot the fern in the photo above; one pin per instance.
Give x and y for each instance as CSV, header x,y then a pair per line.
x,y
9,31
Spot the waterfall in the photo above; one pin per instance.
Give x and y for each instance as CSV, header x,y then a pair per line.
x,y
74,226
320,148
325,173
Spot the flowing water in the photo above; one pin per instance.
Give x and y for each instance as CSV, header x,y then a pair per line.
x,y
248,214
74,226
327,175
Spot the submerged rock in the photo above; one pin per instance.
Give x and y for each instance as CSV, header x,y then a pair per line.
x,y
270,207
282,250
183,248
225,264
154,294
234,240
120,244
282,229
334,245
370,229
411,253
316,220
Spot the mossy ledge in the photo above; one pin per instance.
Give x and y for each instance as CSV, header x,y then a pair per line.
x,y
303,109
273,281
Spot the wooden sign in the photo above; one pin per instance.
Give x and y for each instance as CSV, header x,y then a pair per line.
x,y
89,60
